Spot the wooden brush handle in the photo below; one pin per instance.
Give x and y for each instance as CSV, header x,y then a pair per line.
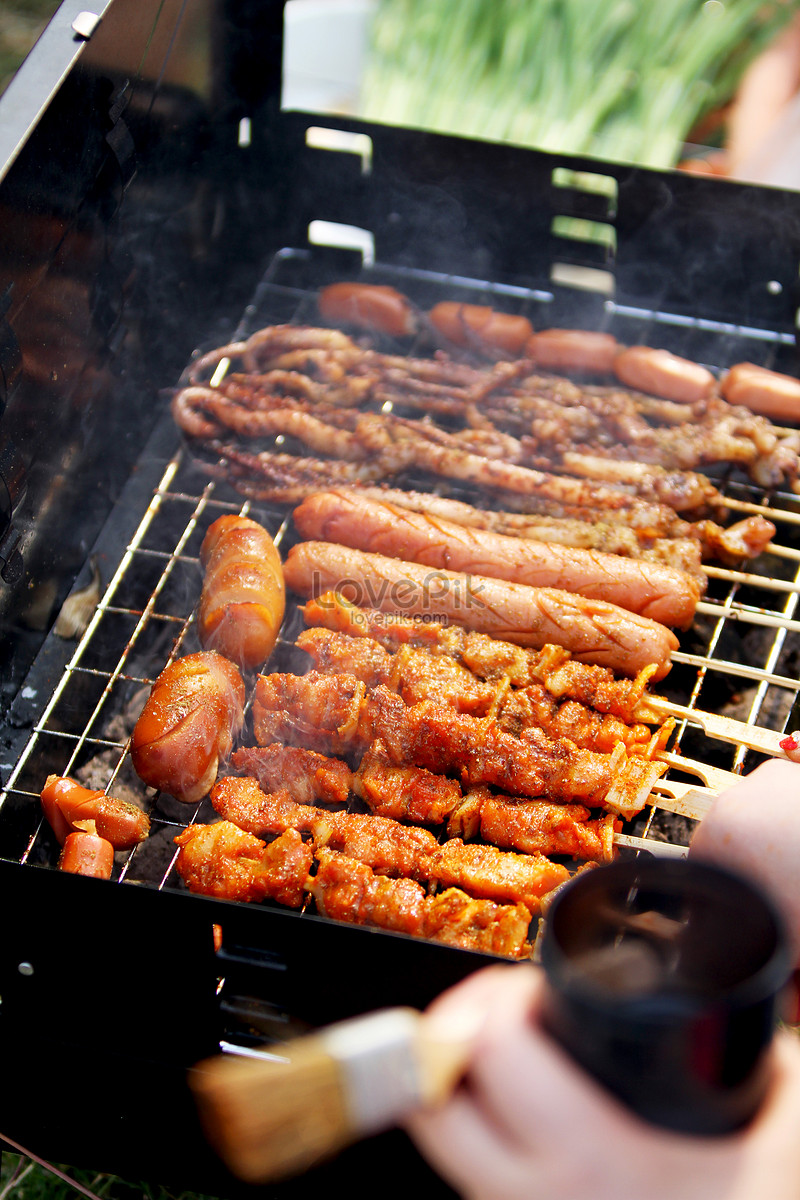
x,y
272,1116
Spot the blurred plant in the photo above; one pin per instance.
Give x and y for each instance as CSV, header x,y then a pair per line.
x,y
23,1179
617,79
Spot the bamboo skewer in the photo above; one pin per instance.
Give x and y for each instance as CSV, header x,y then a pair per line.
x,y
661,849
655,708
782,551
761,510
713,777
752,616
747,579
684,799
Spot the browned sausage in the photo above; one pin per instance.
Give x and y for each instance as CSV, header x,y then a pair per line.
x,y
652,589
68,807
573,350
763,391
371,306
193,713
478,327
87,854
592,630
663,374
243,596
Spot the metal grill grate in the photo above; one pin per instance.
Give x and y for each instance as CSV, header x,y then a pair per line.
x,y
741,658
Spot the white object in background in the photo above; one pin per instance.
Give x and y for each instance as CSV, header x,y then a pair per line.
x,y
324,47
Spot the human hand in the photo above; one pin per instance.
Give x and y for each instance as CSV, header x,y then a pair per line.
x,y
754,828
529,1123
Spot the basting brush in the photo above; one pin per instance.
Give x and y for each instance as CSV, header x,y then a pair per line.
x,y
276,1115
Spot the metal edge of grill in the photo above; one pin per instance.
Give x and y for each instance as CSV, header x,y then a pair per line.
x,y
743,657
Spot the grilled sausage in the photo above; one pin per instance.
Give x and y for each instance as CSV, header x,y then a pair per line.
x,y
651,589
573,350
762,391
69,807
243,597
87,854
370,306
592,630
192,715
663,374
478,327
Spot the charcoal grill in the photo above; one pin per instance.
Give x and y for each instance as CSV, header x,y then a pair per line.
x,y
155,201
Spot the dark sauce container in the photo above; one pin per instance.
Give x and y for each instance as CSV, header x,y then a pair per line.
x,y
665,980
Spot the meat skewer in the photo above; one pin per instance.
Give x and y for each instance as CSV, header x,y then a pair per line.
x,y
408,793
222,860
392,849
415,673
390,445
488,657
552,667
347,890
339,714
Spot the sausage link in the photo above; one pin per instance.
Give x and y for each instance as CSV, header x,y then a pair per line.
x,y
591,630
651,589
87,854
193,713
478,327
370,306
573,350
763,391
68,807
243,597
663,374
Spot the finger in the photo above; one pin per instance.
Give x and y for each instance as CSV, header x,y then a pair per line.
x,y
463,1144
754,828
532,1087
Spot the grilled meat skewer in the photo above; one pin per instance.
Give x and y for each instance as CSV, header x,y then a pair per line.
x,y
392,849
347,890
488,657
340,716
416,673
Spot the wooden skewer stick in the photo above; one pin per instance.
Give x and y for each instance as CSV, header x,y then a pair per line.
x,y
782,551
654,708
685,799
713,777
760,510
750,616
661,849
747,579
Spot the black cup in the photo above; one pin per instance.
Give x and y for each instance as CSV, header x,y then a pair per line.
x,y
664,981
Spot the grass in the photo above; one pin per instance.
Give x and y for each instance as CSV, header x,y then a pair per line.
x,y
616,79
23,1179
